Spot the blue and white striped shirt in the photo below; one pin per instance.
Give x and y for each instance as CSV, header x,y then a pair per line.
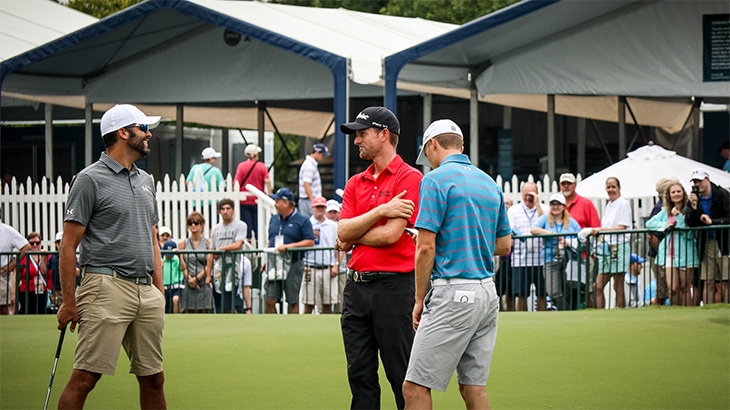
x,y
465,208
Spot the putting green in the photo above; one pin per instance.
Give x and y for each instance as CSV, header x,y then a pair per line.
x,y
621,359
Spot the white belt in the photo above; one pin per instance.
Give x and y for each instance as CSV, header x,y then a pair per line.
x,y
458,281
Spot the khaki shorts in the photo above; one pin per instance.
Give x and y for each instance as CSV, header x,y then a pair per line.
x,y
319,287
714,266
115,312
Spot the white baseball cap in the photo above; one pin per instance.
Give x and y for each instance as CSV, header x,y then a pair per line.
x,y
333,205
557,197
252,150
59,235
209,153
124,115
437,128
567,177
699,173
165,230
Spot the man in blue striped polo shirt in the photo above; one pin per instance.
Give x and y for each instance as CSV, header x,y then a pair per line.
x,y
462,224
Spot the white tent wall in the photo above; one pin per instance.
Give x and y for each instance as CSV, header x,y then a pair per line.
x,y
649,48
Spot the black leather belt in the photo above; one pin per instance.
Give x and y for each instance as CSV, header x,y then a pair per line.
x,y
361,277
319,266
146,280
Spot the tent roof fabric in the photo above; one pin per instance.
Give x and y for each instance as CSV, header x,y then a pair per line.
x,y
160,42
597,47
27,24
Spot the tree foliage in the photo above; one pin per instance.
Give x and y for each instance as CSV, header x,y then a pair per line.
x,y
447,11
101,8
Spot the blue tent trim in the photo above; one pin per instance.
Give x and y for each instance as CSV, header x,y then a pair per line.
x,y
337,64
395,62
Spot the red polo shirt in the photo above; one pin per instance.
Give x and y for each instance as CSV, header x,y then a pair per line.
x,y
584,212
363,193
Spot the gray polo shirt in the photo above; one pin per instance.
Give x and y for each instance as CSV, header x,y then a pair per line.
x,y
118,209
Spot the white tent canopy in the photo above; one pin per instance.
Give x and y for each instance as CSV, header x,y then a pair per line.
x,y
644,167
27,24
174,55
595,47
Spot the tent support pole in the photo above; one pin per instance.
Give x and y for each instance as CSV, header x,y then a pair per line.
x,y
179,124
49,141
551,135
89,117
225,152
474,128
427,103
581,151
621,127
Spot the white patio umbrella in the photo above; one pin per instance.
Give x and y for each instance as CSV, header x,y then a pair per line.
x,y
642,169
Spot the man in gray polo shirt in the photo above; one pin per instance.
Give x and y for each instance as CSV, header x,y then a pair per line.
x,y
111,213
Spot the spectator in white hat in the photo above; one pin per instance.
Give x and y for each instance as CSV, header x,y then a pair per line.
x,y
558,220
253,172
205,172
710,205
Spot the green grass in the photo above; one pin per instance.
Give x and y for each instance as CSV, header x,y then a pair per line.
x,y
658,358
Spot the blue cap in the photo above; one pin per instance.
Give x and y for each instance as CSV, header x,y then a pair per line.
x,y
635,258
169,245
284,193
319,147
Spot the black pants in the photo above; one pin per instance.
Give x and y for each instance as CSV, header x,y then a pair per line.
x,y
377,316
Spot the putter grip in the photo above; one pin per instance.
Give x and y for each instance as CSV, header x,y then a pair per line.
x,y
60,342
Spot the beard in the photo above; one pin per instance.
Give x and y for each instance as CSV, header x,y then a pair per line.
x,y
139,144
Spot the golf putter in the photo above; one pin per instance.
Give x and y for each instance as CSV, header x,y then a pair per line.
x,y
55,363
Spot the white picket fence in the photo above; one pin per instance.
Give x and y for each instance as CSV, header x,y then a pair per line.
x,y
40,206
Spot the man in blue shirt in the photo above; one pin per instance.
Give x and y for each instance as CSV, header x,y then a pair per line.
x,y
462,224
287,229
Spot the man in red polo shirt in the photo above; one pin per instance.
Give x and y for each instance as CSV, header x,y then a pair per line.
x,y
581,209
377,205
584,212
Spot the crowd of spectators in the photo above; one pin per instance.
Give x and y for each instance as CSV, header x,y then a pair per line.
x,y
687,266
688,259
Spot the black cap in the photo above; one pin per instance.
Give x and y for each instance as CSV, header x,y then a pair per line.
x,y
724,146
379,117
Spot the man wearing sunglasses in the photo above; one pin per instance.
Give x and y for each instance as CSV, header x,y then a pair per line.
x,y
111,212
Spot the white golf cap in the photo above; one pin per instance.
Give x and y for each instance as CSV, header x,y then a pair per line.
x,y
124,115
557,197
333,205
699,173
209,153
567,177
252,150
437,128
